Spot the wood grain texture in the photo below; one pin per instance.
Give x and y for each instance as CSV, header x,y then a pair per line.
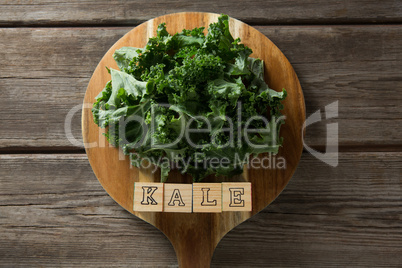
x,y
49,12
178,197
236,196
156,192
207,193
54,212
194,236
44,74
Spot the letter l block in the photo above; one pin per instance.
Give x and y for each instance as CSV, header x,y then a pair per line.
x,y
207,197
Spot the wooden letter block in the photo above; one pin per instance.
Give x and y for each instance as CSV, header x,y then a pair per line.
x,y
148,196
178,198
236,196
207,197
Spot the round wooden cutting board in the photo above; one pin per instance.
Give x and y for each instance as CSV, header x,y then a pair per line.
x,y
195,235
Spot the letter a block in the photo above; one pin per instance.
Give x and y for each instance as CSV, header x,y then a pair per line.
x,y
178,198
207,197
148,196
236,196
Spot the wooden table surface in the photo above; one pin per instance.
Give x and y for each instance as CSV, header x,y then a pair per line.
x,y
54,212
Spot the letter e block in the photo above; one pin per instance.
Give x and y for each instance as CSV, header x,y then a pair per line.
x,y
148,196
207,197
236,196
178,198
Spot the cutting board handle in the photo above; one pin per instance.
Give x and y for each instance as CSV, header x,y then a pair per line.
x,y
194,253
194,246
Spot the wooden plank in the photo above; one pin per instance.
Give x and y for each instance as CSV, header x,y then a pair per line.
x,y
54,211
45,72
102,12
356,66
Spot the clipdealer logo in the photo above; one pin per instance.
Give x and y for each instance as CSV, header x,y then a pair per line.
x,y
330,156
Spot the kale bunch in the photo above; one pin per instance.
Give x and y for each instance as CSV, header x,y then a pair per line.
x,y
189,97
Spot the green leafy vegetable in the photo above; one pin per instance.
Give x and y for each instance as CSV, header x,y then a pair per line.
x,y
188,97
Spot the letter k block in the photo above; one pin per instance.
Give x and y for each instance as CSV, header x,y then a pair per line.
x,y
148,196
